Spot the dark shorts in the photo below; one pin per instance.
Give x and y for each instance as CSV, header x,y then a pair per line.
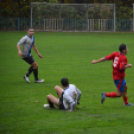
x,y
61,106
29,60
120,84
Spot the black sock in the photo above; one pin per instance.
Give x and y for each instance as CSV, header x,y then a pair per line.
x,y
51,104
35,72
30,70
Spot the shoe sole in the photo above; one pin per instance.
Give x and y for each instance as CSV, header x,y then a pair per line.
x,y
129,105
39,82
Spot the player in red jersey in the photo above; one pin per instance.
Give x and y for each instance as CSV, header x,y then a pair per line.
x,y
119,67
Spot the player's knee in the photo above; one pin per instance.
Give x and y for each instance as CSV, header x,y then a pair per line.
x,y
48,96
125,87
119,94
36,66
56,87
124,95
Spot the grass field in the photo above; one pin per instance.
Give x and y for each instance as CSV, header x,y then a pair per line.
x,y
65,55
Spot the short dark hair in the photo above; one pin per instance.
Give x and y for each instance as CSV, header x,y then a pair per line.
x,y
122,47
29,28
64,82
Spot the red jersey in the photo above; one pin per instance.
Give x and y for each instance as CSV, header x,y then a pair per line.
x,y
119,62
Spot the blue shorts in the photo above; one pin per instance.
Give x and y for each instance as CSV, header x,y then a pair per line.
x,y
120,84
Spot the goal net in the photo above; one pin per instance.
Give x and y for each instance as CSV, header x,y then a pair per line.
x,y
72,17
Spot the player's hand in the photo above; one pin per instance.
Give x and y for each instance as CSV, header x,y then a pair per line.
x,y
20,53
93,61
40,56
129,65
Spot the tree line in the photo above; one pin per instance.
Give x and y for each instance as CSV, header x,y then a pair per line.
x,y
21,8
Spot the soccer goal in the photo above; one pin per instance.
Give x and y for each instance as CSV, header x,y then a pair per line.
x,y
73,17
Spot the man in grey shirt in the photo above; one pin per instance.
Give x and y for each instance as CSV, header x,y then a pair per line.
x,y
28,43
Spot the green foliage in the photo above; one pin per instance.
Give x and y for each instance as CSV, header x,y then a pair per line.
x,y
124,13
16,9
21,8
65,55
53,1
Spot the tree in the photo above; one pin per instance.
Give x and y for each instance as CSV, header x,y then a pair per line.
x,y
15,8
21,8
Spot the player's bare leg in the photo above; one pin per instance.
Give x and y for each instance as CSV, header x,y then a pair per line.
x,y
59,90
51,101
118,93
111,94
125,98
34,65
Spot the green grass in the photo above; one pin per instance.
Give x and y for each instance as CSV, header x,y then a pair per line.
x,y
65,55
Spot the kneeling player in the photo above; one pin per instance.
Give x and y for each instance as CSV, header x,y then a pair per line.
x,y
69,96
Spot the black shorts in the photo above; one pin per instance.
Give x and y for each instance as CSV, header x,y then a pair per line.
x,y
29,60
61,106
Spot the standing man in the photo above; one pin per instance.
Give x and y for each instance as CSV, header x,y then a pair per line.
x,y
119,67
69,96
28,43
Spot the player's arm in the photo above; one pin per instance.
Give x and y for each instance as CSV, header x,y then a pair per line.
x,y
22,40
127,66
124,65
72,106
78,95
109,57
70,101
36,50
99,60
19,50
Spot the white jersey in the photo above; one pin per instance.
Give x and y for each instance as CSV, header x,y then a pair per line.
x,y
71,94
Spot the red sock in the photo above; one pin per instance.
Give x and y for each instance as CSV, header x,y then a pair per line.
x,y
125,100
112,94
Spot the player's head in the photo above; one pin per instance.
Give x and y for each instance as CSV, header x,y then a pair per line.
x,y
64,82
30,31
123,48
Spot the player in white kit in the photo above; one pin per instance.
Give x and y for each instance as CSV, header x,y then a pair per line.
x,y
69,96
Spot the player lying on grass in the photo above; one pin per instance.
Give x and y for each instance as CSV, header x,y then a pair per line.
x,y
69,96
28,43
119,67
